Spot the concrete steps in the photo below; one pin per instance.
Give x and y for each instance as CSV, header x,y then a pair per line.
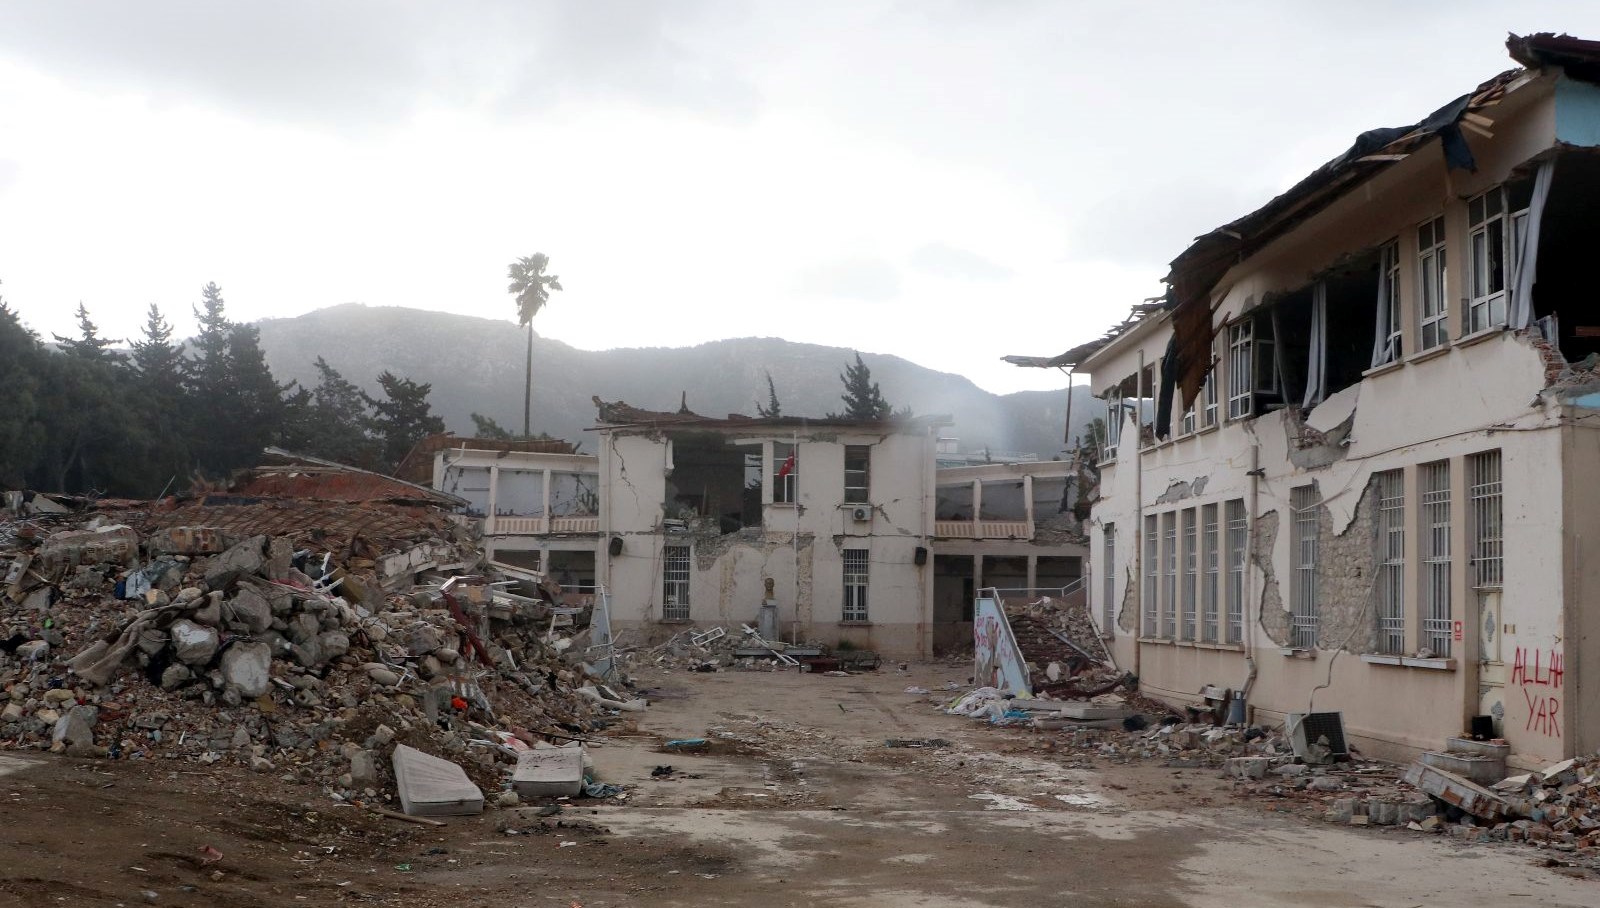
x,y
1478,761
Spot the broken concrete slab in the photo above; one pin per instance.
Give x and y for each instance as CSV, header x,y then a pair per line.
x,y
193,644
242,560
107,545
433,787
187,541
248,667
1452,789
548,772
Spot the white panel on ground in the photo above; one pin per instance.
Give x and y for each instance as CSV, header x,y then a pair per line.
x,y
431,787
548,772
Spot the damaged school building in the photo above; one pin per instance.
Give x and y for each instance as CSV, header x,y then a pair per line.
x,y
1354,452
829,531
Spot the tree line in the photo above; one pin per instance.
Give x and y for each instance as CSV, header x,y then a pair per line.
x,y
83,416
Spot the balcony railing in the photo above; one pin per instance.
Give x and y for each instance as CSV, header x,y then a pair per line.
x,y
505,525
983,529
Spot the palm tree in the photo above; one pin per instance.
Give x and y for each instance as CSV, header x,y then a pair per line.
x,y
531,286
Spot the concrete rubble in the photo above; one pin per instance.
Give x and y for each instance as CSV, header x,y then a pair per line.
x,y
286,639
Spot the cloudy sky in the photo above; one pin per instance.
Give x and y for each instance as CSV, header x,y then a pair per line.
x,y
946,181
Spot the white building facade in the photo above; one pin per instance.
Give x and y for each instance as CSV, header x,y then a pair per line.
x,y
1374,489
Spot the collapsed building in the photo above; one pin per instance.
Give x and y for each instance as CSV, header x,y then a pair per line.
x,y
1351,456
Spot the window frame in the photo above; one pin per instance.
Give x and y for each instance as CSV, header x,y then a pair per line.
x,y
1486,495
1389,274
1108,583
1488,306
1210,572
1189,566
1241,369
1389,557
1114,417
786,488
1435,552
862,493
1433,284
1151,612
1305,604
1238,541
1169,575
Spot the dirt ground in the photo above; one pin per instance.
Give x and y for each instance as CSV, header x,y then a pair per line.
x,y
798,802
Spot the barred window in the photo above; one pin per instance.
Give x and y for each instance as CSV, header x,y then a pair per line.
x,y
1390,491
1191,565
855,584
1152,566
1169,575
1209,576
675,583
1303,546
1238,538
1488,539
1108,595
1436,620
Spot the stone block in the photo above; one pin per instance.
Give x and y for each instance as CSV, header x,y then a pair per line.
x,y
187,541
1248,767
242,560
193,644
247,667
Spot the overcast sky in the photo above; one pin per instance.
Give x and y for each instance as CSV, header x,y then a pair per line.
x,y
946,181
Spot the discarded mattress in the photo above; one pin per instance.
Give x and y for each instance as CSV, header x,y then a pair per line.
x,y
548,772
431,787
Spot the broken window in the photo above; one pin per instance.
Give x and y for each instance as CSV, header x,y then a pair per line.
x,y
1433,307
1238,538
1389,490
855,584
1254,368
857,473
1487,247
709,483
785,473
1436,622
1561,243
574,495
675,568
1303,503
1052,496
1241,371
1003,500
1488,541
1209,577
1114,417
953,502
1108,580
1389,343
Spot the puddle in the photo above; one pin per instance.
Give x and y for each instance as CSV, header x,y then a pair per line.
x,y
1001,802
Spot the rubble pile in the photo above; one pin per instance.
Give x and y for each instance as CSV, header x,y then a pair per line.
x,y
310,654
1559,806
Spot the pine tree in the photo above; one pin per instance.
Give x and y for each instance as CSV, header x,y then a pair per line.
x,y
340,420
487,427
21,433
158,366
157,360
402,417
89,344
862,399
773,409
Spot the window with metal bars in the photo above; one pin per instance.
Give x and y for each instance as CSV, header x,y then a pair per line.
x,y
1238,539
1152,566
1389,490
1108,595
1435,553
1209,576
675,583
1304,607
855,584
1191,565
1488,541
1169,575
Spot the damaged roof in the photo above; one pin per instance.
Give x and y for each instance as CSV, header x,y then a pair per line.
x,y
417,466
620,415
1082,352
284,474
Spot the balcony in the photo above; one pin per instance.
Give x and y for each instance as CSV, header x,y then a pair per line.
x,y
511,525
983,529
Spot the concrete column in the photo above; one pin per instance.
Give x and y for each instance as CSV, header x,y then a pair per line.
x,y
546,503
977,506
977,574
1027,507
494,500
1033,571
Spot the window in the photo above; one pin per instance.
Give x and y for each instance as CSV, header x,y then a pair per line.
x,y
855,584
1208,573
857,472
1435,481
1169,575
785,472
675,583
1432,286
1191,565
1108,594
1389,488
1488,539
1303,546
1486,260
1393,344
1114,416
1238,537
1208,401
1152,564
1241,373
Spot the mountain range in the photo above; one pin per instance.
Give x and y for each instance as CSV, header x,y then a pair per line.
x,y
476,365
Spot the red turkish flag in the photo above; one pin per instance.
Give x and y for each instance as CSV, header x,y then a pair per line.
x,y
788,466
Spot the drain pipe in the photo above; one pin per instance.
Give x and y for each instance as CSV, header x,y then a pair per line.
x,y
1245,636
1138,522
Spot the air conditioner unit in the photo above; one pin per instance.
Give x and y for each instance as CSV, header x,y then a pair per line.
x,y
860,512
1306,729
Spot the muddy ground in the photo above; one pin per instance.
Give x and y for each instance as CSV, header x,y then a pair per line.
x,y
799,802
